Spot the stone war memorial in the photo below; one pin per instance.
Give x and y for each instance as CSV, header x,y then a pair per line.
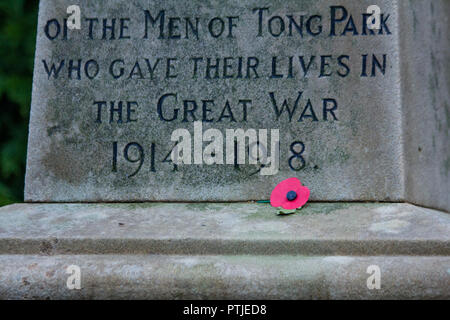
x,y
159,129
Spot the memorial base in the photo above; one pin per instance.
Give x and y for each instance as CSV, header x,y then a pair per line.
x,y
224,251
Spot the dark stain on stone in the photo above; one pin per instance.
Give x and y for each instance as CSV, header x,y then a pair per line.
x,y
447,113
52,130
25,281
47,246
50,274
59,160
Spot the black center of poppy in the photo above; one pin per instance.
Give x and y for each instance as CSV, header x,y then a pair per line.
x,y
291,195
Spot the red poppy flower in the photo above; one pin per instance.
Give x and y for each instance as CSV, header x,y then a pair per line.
x,y
289,194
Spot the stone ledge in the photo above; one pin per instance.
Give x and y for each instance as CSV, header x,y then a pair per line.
x,y
223,251
223,277
219,228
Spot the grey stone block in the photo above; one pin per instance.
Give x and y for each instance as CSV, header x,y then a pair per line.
x,y
386,140
220,228
359,156
425,65
389,142
223,251
223,277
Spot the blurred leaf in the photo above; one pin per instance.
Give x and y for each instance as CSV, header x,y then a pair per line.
x,y
285,212
19,89
18,20
5,195
12,7
11,155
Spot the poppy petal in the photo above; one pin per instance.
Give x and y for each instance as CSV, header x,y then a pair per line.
x,y
278,196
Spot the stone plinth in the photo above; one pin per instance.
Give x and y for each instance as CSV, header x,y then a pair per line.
x,y
362,114
240,250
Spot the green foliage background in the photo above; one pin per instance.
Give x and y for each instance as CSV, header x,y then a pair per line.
x,y
18,20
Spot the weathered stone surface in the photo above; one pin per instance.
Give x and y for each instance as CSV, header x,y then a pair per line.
x,y
223,277
379,143
240,228
359,156
425,52
223,251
